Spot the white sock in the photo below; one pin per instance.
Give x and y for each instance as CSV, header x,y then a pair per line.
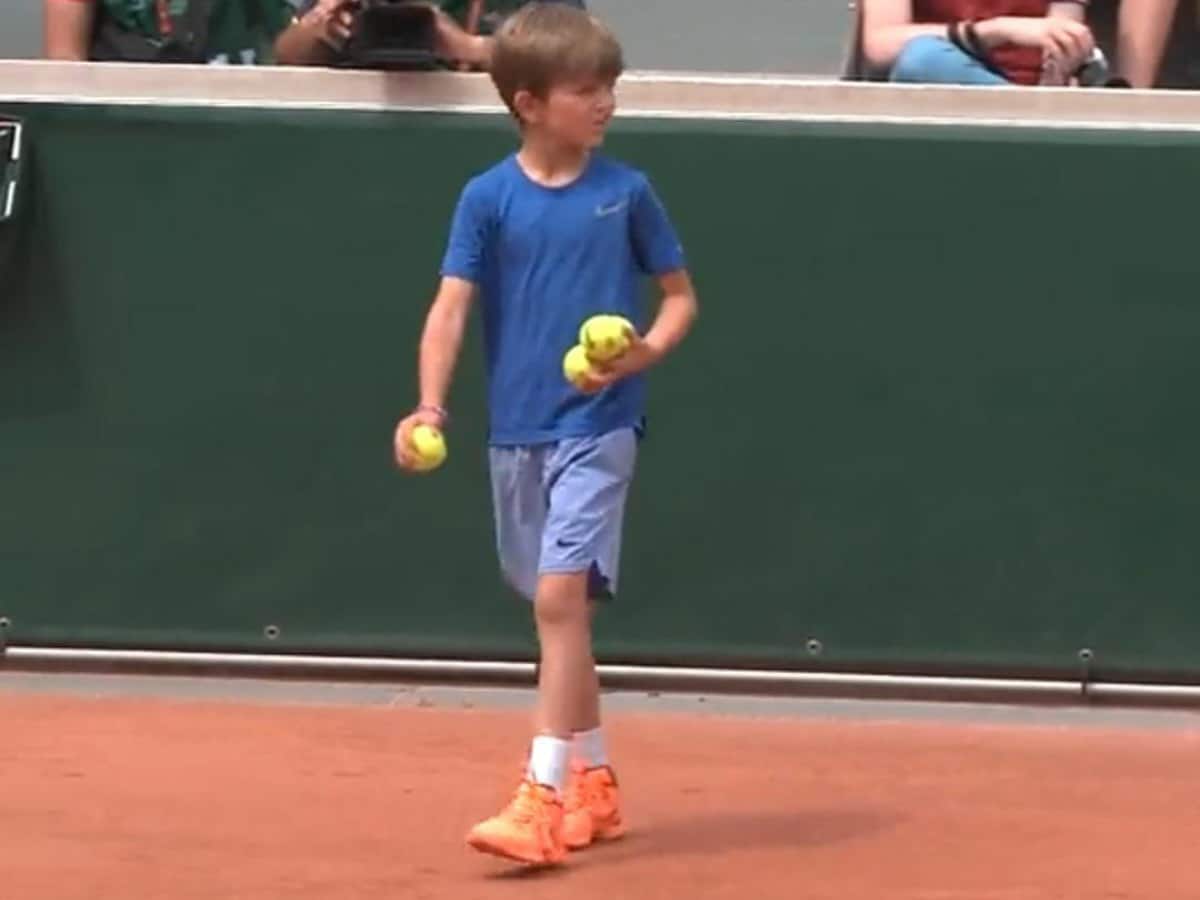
x,y
588,747
548,760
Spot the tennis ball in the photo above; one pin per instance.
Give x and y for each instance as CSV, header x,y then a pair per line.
x,y
576,365
429,447
605,337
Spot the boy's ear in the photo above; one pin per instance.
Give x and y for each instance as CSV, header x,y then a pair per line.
x,y
527,105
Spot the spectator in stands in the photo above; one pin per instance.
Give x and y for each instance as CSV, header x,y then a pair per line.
x,y
170,31
319,34
986,42
1143,27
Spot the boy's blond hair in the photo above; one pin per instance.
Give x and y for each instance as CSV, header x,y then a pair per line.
x,y
546,44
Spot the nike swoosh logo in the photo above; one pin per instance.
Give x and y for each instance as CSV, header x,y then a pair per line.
x,y
602,211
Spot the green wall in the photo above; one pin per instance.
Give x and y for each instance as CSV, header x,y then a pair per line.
x,y
938,412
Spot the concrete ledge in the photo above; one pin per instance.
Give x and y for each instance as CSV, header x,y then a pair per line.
x,y
642,94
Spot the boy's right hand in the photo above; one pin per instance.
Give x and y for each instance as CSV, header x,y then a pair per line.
x,y
402,439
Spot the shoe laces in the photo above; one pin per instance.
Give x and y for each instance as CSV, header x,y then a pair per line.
x,y
525,805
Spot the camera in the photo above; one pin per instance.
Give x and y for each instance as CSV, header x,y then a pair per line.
x,y
392,34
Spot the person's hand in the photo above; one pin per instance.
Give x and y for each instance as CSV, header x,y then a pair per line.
x,y
334,21
454,43
402,440
639,357
1065,43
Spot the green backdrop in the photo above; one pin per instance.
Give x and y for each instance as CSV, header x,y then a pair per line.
x,y
938,412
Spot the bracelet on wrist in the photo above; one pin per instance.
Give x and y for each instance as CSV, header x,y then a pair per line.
x,y
439,411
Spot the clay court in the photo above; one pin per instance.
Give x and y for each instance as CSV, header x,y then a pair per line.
x,y
185,788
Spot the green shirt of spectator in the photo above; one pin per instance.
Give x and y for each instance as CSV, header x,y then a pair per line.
x,y
238,32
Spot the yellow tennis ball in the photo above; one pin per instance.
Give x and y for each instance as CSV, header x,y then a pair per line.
x,y
605,337
576,365
429,447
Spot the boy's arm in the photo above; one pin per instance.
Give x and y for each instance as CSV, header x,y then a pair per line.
x,y
658,252
441,341
676,312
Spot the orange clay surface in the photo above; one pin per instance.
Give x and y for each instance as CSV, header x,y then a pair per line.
x,y
133,799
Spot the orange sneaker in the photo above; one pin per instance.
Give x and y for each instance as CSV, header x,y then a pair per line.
x,y
529,829
593,807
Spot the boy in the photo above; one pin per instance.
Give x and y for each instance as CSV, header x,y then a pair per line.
x,y
548,237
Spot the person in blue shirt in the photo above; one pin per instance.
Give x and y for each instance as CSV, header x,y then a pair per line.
x,y
546,238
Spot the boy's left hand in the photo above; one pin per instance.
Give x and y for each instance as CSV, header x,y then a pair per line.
x,y
638,358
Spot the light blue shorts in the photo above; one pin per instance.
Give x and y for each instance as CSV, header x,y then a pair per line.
x,y
559,508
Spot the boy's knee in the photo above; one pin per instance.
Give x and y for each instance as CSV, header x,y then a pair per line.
x,y
562,601
919,56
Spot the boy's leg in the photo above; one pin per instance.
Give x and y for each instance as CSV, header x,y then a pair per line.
x,y
565,636
588,481
589,711
588,718
588,749
578,508
587,715
593,803
529,829
519,505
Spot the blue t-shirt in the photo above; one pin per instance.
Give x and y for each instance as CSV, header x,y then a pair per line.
x,y
544,260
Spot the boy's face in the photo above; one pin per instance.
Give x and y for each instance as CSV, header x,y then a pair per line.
x,y
575,113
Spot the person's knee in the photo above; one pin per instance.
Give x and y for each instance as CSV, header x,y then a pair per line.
x,y
562,601
920,57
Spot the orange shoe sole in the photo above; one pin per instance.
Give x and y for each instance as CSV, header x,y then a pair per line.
x,y
610,833
483,845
